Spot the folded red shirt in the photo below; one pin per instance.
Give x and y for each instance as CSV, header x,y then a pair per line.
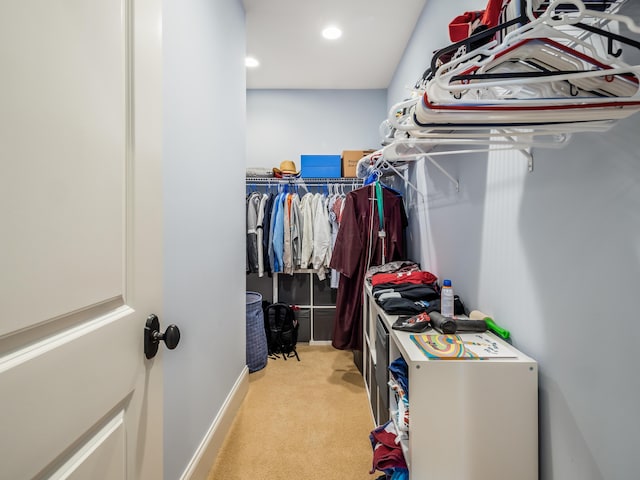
x,y
417,277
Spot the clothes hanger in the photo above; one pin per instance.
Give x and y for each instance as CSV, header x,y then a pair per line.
x,y
524,14
561,10
533,110
516,69
383,163
554,61
558,14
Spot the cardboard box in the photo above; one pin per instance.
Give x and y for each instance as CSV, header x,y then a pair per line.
x,y
350,159
320,166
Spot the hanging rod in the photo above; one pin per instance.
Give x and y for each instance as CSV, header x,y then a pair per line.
x,y
302,180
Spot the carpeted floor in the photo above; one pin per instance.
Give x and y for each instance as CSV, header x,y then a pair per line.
x,y
302,420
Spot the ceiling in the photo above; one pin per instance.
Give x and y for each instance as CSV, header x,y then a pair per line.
x,y
285,37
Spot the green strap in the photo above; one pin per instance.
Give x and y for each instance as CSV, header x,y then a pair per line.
x,y
380,204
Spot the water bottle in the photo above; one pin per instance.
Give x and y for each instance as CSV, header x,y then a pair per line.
x,y
446,299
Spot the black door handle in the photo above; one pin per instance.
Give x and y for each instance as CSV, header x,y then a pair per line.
x,y
153,335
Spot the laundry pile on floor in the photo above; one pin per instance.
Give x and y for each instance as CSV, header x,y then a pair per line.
x,y
387,453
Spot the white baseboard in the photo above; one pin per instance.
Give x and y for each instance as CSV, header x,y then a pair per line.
x,y
206,454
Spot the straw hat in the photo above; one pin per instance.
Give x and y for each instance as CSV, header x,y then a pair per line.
x,y
288,168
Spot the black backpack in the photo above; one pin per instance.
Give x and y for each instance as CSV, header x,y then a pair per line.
x,y
281,327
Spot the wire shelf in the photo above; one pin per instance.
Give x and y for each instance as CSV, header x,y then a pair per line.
x,y
302,180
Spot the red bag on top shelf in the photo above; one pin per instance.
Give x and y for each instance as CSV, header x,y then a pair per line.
x,y
465,25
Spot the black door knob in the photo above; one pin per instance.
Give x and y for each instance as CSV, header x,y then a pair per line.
x,y
153,336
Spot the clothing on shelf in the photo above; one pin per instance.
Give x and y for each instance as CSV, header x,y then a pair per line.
x,y
392,267
400,372
410,291
416,277
402,415
405,292
387,453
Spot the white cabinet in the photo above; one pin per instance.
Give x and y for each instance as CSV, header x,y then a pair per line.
x,y
469,419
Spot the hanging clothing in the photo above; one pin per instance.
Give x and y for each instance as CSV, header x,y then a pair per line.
x,y
360,244
321,236
277,234
334,214
260,232
296,225
292,234
287,257
253,206
266,229
306,211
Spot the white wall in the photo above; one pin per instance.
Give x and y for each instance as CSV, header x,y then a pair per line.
x,y
554,256
204,157
283,124
430,34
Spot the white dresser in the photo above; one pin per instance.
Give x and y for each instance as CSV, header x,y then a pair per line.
x,y
469,419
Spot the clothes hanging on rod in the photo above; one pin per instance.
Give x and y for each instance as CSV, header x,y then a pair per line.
x,y
286,233
360,243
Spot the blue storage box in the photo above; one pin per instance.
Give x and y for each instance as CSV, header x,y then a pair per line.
x,y
320,166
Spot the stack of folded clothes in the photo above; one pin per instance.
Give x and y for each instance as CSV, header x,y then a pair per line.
x,y
405,292
397,266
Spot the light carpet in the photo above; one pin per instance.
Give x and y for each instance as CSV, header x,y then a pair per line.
x,y
306,420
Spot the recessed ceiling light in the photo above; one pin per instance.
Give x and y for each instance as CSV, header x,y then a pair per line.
x,y
251,62
331,33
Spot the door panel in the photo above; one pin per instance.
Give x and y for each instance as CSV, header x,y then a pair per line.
x,y
63,137
101,456
61,401
81,248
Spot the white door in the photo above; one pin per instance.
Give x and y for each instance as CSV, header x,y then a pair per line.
x,y
80,238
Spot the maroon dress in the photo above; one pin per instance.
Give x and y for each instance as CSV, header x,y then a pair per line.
x,y
359,246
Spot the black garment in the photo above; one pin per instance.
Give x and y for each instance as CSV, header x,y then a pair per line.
x,y
253,205
266,239
412,291
402,306
458,306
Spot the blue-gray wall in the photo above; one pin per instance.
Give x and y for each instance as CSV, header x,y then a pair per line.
x,y
204,218
430,34
554,256
283,124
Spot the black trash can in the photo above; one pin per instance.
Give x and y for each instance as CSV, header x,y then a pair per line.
x,y
257,350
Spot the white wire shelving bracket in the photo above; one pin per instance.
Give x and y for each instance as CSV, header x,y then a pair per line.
x,y
401,151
